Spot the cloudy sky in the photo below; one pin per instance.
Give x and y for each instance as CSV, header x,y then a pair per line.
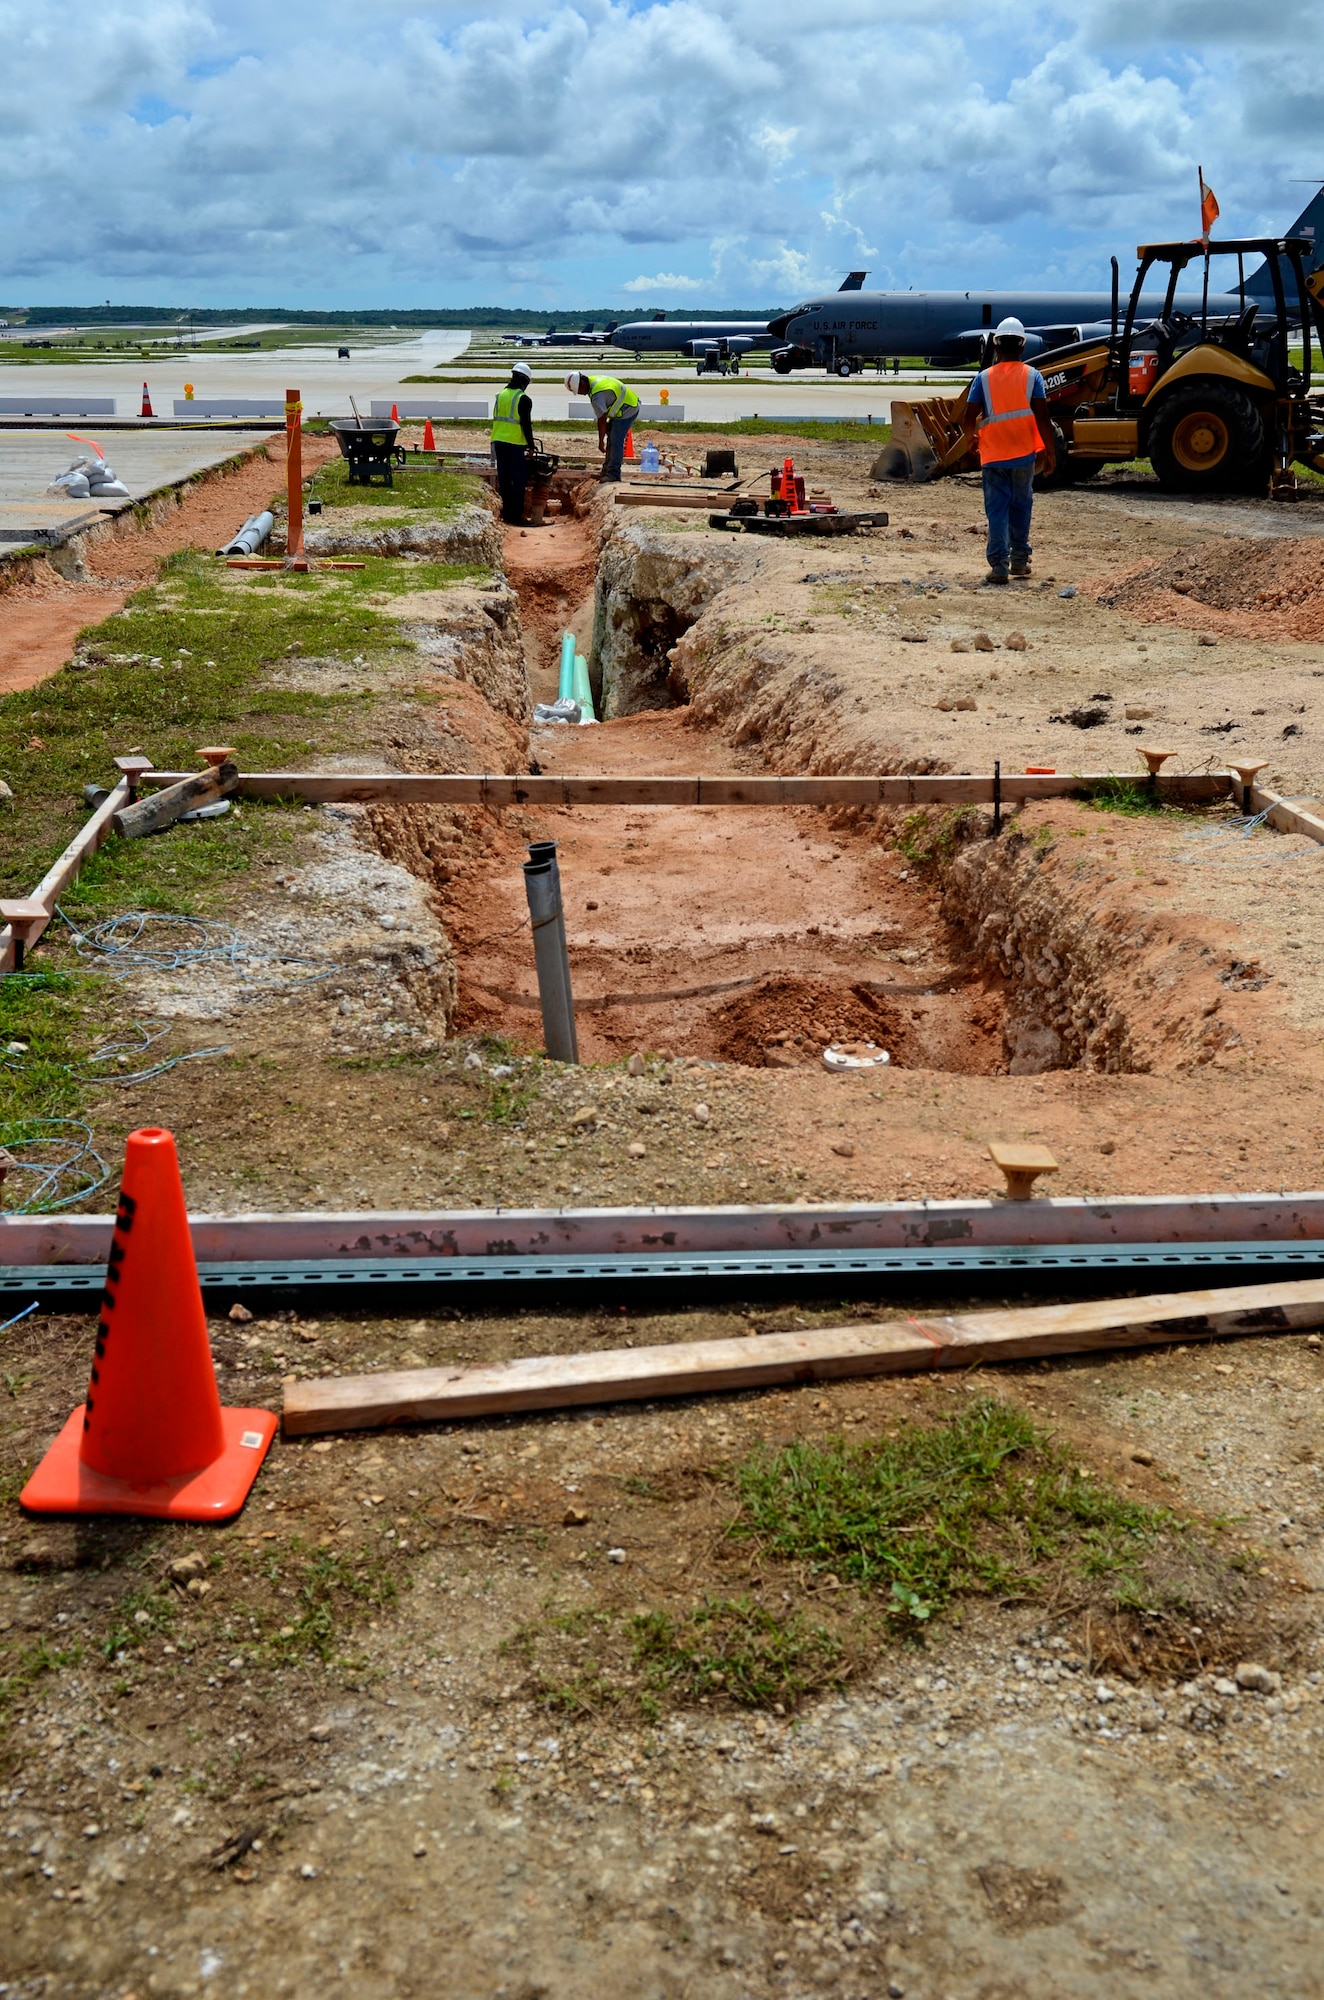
x,y
580,152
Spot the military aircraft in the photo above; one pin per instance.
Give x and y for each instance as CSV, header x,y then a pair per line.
x,y
584,338
706,340
951,327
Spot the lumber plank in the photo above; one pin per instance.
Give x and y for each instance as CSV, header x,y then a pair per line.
x,y
62,872
1284,816
503,788
687,1368
163,808
696,503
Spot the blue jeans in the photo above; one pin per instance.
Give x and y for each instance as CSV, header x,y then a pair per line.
x,y
1008,502
617,431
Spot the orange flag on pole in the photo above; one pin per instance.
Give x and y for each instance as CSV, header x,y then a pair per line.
x,y
1208,207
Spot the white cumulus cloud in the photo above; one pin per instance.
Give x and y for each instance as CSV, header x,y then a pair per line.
x,y
424,152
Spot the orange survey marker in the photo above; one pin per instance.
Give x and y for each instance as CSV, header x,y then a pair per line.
x,y
152,1437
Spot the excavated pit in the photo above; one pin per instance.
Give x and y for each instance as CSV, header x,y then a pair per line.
x,y
757,935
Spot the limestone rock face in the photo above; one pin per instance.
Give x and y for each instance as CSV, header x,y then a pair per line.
x,y
652,586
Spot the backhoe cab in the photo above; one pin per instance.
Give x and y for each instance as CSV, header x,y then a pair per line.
x,y
1215,403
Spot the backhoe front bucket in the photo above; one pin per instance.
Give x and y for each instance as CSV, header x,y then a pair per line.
x,y
928,440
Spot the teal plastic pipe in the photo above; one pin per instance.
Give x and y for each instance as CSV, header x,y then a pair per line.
x,y
565,688
583,692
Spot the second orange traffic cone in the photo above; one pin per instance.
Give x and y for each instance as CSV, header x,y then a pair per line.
x,y
147,410
395,413
152,1437
429,441
629,444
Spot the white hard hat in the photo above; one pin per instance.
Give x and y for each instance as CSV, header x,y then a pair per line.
x,y
572,381
523,368
1009,329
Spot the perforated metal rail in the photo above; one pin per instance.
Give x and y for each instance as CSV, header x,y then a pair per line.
x,y
684,1268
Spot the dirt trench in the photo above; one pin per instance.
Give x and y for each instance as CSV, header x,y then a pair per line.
x,y
757,936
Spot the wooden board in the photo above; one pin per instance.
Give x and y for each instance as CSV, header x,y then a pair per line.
x,y
559,1381
1284,816
698,503
61,873
502,789
162,808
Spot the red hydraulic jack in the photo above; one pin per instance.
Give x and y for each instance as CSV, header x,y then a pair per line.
x,y
294,557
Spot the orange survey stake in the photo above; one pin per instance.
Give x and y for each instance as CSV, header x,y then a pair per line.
x,y
152,1437
294,555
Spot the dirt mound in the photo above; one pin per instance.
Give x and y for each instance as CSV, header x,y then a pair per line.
x,y
1252,585
791,1021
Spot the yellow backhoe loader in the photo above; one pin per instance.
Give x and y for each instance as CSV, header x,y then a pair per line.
x,y
1215,404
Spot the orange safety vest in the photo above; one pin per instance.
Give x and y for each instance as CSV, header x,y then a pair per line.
x,y
1011,429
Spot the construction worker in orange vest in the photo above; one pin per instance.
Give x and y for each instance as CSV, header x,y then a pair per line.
x,y
1007,409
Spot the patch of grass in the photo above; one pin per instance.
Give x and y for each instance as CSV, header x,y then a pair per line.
x,y
188,661
986,1503
431,491
508,1098
140,1615
50,1013
736,1646
722,1650
824,433
1133,798
23,1668
929,839
332,1590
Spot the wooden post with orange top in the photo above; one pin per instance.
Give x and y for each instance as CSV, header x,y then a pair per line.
x,y
294,555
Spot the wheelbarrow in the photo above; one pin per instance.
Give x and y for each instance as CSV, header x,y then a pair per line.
x,y
370,451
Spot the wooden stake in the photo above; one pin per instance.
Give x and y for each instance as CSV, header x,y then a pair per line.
x,y
560,1381
294,555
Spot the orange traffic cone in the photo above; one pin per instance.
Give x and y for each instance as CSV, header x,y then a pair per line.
x,y
629,444
152,1437
147,410
395,413
429,441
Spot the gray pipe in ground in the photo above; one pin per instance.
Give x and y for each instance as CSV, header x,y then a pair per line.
x,y
542,885
250,537
541,851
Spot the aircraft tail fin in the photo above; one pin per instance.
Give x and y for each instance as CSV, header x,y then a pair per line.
x,y
853,281
1310,224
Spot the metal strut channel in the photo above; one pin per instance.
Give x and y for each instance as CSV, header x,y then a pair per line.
x,y
956,1263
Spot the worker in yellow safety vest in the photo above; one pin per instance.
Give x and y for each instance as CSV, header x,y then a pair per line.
x,y
1007,409
512,441
615,408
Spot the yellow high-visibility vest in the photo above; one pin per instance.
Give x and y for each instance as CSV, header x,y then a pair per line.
x,y
506,426
624,401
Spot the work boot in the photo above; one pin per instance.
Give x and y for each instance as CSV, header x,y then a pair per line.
x,y
996,576
609,478
1020,568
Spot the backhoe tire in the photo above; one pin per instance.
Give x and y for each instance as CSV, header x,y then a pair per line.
x,y
1208,437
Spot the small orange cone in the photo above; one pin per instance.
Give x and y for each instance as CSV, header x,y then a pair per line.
x,y
429,441
629,444
395,413
147,410
152,1437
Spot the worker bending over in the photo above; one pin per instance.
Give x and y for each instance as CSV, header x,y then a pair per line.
x,y
615,408
1009,404
512,441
